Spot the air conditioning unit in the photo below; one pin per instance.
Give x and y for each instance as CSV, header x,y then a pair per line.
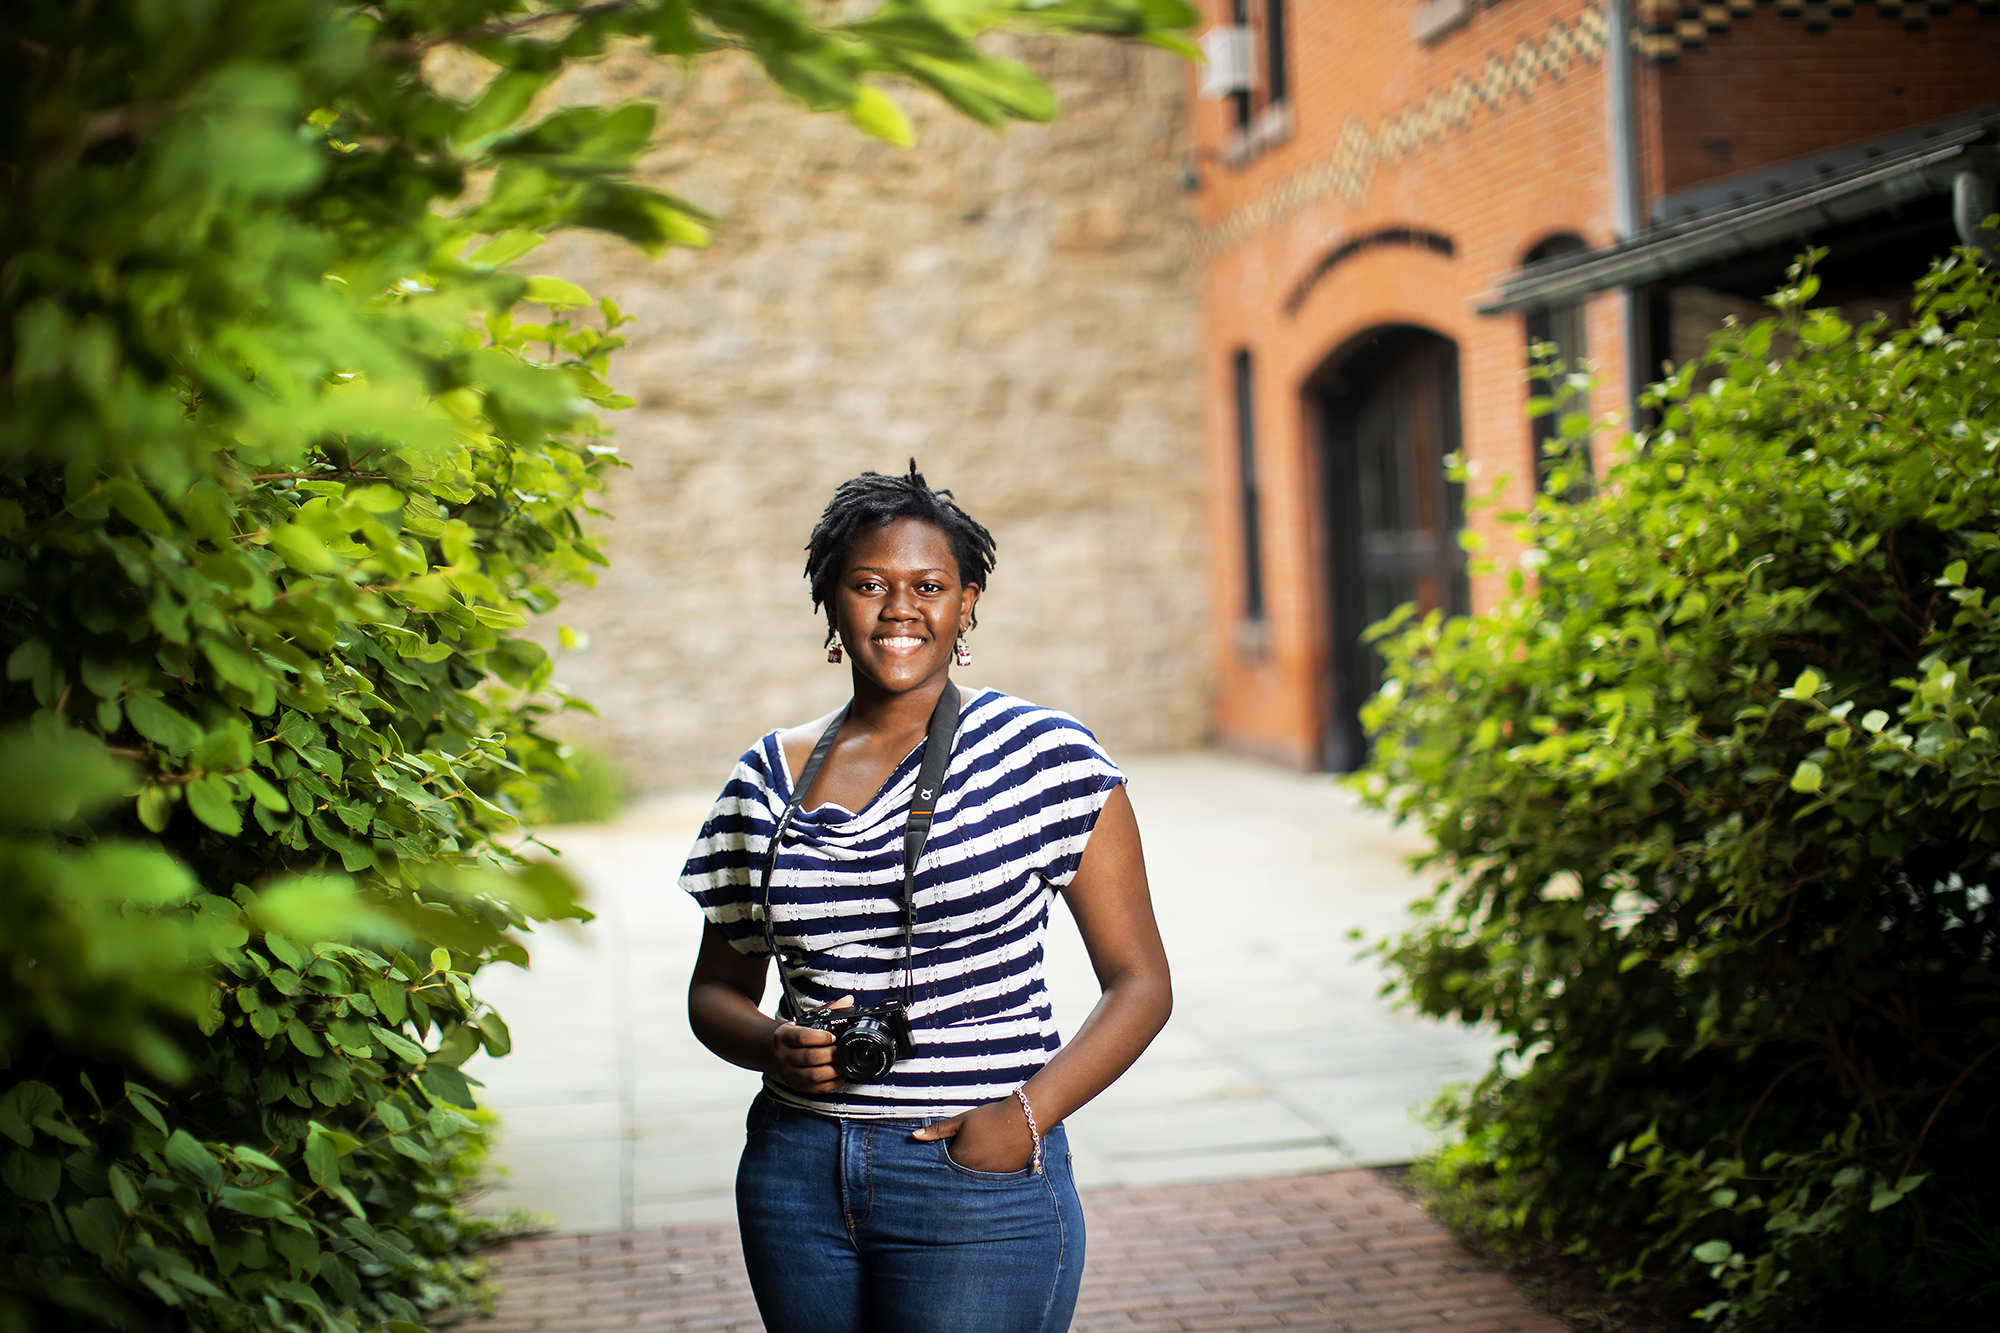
x,y
1230,68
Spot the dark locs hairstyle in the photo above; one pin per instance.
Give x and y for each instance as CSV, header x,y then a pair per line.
x,y
873,499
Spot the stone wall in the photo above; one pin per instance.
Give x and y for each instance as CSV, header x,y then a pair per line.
x,y
1015,310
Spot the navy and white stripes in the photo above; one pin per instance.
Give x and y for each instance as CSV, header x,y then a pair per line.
x,y
1021,795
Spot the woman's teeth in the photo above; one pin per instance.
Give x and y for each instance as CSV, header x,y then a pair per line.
x,y
900,641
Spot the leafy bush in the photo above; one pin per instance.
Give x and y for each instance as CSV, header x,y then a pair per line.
x,y
1719,800
593,788
286,452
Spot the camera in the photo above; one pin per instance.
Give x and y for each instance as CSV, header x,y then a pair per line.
x,y
866,1042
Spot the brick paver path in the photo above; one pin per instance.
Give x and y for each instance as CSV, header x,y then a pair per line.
x,y
1336,1251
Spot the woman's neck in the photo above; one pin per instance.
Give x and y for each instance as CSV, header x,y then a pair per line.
x,y
893,715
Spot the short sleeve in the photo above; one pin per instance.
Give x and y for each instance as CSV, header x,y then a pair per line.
x,y
1076,778
721,870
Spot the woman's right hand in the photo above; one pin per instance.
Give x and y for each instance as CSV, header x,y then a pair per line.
x,y
804,1056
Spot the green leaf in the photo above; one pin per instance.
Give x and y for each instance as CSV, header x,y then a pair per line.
x,y
1713,1251
156,805
498,617
192,1162
389,1000
137,505
32,1176
405,1049
646,217
255,1203
376,499
504,101
322,1160
506,247
213,802
1807,685
989,90
346,1196
876,114
457,1048
447,1084
349,1034
22,1105
234,663
264,793
1807,777
160,722
122,1189
302,549
143,1101
255,1158
556,292
96,1224
50,775
493,1029
209,514
56,1129
304,1038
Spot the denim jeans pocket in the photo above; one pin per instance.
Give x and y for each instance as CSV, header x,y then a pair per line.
x,y
987,1177
763,1110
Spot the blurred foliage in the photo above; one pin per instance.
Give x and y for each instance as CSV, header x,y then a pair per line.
x,y
287,451
1717,790
591,789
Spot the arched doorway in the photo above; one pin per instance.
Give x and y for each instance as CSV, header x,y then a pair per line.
x,y
1388,408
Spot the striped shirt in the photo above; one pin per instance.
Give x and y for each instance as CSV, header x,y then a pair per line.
x,y
1021,794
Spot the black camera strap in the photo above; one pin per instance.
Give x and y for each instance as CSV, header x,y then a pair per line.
x,y
916,831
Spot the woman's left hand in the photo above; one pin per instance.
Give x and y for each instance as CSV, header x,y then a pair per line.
x,y
993,1137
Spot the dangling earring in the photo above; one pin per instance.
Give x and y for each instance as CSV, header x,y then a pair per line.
x,y
833,649
962,652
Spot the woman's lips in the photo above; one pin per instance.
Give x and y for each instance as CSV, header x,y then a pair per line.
x,y
900,641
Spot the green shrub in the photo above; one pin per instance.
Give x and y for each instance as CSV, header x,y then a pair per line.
x,y
592,789
287,450
1718,798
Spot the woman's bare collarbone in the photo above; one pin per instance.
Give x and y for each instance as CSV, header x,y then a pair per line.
x,y
855,771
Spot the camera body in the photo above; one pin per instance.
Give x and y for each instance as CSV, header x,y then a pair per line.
x,y
866,1042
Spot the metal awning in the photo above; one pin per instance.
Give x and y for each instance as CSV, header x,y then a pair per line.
x,y
1921,170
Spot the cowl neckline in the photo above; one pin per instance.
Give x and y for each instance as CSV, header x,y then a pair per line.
x,y
831,823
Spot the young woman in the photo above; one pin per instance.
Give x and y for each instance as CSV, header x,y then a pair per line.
x,y
905,1171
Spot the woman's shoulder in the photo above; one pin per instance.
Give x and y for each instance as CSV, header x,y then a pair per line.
x,y
795,744
992,713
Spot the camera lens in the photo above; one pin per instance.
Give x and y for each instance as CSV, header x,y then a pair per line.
x,y
865,1051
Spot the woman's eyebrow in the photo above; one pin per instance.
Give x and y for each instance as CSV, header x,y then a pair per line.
x,y
877,569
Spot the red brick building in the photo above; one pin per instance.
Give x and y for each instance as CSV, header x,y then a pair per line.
x,y
1397,197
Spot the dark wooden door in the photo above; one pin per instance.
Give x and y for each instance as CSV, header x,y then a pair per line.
x,y
1390,412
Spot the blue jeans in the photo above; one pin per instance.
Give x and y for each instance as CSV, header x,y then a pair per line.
x,y
852,1226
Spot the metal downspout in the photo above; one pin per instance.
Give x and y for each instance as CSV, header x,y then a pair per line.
x,y
1626,222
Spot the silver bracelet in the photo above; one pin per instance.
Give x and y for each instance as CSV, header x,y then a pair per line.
x,y
1034,1131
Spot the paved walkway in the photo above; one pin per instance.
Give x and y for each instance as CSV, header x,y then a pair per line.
x,y
1281,1059
1335,1251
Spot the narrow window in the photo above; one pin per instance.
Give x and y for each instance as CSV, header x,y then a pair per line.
x,y
1275,74
1239,14
1246,465
1563,327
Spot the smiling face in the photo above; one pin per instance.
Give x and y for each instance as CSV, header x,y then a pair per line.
x,y
899,605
